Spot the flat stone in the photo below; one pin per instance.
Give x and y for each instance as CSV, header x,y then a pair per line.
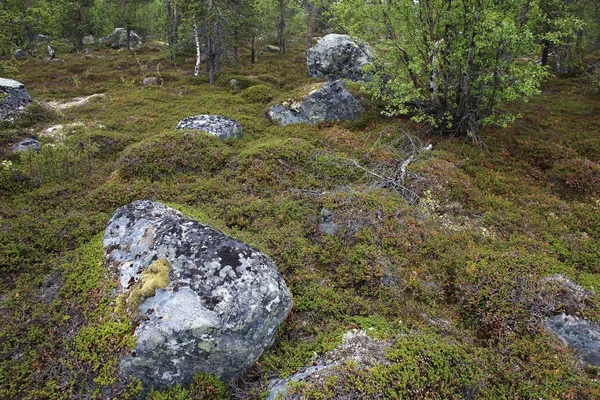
x,y
76,102
356,346
27,145
580,335
216,125
151,81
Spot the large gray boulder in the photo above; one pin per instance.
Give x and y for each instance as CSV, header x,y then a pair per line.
x,y
338,57
13,97
118,38
216,125
204,301
332,102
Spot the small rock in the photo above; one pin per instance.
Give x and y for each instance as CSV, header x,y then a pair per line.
x,y
27,145
356,346
42,38
151,81
19,53
327,225
88,40
234,84
332,102
272,49
216,125
338,57
207,302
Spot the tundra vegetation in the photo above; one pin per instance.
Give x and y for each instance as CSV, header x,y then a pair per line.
x,y
447,217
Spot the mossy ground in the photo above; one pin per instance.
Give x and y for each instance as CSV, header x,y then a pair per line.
x,y
452,278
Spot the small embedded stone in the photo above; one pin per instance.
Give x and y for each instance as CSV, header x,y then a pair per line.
x,y
215,125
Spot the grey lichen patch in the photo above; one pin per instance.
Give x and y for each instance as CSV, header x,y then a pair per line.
x,y
155,277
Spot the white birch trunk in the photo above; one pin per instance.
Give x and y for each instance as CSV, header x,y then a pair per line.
x,y
198,53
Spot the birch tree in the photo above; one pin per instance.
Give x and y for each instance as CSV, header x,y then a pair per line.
x,y
449,62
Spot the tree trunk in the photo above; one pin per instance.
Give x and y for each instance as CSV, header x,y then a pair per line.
x,y
198,53
212,64
545,53
253,51
29,30
211,45
281,27
126,23
175,23
169,23
235,46
309,23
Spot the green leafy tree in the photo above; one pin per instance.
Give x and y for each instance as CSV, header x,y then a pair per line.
x,y
559,27
450,62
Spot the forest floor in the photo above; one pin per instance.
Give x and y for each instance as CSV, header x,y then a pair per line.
x,y
448,271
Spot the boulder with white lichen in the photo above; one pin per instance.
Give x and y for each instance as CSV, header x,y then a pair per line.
x,y
204,302
338,57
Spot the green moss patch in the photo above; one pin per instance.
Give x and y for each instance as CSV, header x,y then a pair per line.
x,y
257,94
156,276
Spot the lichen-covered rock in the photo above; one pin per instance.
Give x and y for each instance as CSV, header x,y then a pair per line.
x,y
13,97
272,49
356,346
205,302
88,40
338,57
27,145
581,335
118,38
560,294
151,81
332,102
216,125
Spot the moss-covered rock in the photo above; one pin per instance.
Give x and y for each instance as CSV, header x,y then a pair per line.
x,y
258,94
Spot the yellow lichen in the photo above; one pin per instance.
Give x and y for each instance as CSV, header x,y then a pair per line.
x,y
156,276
